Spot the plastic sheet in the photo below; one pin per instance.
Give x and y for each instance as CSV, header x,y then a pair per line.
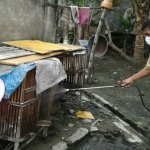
x,y
13,79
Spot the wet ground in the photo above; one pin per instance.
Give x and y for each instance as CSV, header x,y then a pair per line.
x,y
112,132
108,71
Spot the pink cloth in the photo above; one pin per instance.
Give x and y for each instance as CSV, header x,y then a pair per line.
x,y
84,14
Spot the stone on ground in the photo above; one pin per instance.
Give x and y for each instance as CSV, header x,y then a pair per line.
x,y
93,129
87,120
60,146
78,135
70,125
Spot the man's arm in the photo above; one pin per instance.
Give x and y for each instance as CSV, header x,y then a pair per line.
x,y
143,73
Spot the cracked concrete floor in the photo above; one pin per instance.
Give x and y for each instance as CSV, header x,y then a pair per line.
x,y
113,133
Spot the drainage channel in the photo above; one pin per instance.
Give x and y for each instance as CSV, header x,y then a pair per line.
x,y
141,132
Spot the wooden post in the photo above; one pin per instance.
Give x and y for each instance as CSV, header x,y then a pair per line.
x,y
78,34
16,146
65,33
90,65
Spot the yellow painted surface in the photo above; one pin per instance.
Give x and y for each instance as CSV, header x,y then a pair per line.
x,y
38,46
43,49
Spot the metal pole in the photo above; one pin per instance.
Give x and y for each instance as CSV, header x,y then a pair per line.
x,y
98,87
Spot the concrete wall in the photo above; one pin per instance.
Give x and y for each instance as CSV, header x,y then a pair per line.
x,y
22,19
49,23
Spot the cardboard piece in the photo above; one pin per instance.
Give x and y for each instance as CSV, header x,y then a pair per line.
x,y
28,59
84,114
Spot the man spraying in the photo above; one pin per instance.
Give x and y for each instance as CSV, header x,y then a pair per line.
x,y
146,70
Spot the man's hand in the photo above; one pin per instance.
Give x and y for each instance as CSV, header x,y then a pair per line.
x,y
126,82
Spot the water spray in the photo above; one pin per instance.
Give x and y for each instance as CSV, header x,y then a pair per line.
x,y
112,86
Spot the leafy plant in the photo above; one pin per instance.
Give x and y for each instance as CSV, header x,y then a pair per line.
x,y
127,25
128,22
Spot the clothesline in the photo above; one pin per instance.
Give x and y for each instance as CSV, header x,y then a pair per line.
x,y
61,6
53,5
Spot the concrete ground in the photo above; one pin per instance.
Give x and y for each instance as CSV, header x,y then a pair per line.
x,y
108,71
106,131
120,121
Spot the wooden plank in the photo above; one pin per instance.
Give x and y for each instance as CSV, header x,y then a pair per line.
x,y
73,47
43,47
27,59
38,46
35,57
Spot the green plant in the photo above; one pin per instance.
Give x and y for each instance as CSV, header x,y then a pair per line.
x,y
127,25
128,21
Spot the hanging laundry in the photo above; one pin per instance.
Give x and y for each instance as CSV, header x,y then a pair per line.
x,y
84,14
66,16
70,16
75,14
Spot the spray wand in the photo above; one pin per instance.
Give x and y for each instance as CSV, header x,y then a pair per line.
x,y
112,86
98,87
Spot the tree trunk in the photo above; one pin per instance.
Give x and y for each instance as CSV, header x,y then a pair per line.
x,y
78,34
111,44
141,9
124,45
86,32
138,57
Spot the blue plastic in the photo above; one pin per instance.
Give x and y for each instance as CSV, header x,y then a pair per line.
x,y
13,79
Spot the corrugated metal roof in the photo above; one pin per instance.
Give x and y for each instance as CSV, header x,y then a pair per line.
x,y
12,52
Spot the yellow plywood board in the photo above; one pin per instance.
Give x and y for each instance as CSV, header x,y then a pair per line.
x,y
38,46
27,59
46,49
